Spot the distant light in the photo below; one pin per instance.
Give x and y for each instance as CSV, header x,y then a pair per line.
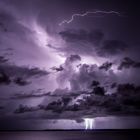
x,y
89,123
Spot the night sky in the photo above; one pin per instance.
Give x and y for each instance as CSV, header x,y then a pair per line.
x,y
53,48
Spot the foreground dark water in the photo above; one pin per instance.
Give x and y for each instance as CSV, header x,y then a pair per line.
x,y
109,122
70,135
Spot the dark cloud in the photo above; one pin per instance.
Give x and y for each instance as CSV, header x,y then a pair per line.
x,y
81,41
33,94
4,78
5,17
73,58
1,107
10,24
57,69
125,97
3,28
3,59
13,70
93,36
21,82
91,43
128,63
19,73
24,108
106,66
112,47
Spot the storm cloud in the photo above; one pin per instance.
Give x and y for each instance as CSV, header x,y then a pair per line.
x,y
69,68
36,52
93,36
112,47
128,63
92,43
18,74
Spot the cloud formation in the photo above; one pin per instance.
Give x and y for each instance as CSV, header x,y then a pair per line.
x,y
106,66
128,63
18,73
112,47
3,59
69,68
93,36
91,43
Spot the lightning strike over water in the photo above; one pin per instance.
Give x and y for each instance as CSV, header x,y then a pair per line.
x,y
89,123
89,12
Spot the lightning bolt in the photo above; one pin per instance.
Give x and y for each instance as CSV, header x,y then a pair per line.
x,y
88,12
89,123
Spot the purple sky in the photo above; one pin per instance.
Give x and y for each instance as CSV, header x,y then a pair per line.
x,y
44,34
59,45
